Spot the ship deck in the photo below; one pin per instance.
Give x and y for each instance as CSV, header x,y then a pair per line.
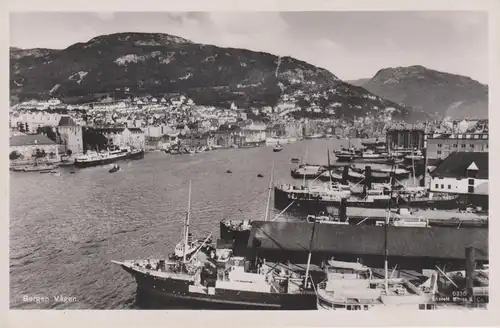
x,y
434,215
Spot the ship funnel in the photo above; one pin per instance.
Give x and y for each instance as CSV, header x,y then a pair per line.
x,y
343,210
368,177
345,175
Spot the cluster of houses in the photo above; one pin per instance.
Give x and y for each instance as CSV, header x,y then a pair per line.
x,y
151,123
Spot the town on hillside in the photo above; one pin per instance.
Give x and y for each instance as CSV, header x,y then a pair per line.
x,y
149,123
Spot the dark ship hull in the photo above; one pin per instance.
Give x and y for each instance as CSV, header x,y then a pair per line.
x,y
105,161
169,293
283,199
137,155
297,175
360,159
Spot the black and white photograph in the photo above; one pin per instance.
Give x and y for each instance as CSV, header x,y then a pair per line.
x,y
237,160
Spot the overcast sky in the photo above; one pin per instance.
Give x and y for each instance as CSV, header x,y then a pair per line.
x,y
350,44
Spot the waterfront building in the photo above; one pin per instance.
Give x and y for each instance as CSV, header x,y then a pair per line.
x,y
71,135
28,145
464,173
124,137
254,132
440,146
406,136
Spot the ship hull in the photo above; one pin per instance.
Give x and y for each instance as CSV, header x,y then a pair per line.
x,y
167,293
282,199
104,161
298,175
137,155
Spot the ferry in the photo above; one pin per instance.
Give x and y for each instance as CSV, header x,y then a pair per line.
x,y
94,158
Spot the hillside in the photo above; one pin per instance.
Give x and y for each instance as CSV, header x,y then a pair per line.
x,y
432,91
140,64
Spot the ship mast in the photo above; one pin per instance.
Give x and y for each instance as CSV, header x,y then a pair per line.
x,y
413,166
386,283
305,163
269,195
309,255
329,168
186,229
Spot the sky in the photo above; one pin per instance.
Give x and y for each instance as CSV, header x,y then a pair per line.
x,y
350,44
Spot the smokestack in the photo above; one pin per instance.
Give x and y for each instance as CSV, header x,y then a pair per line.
x,y
470,264
345,175
368,177
343,210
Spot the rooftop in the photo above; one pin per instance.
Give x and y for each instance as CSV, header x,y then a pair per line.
x,y
30,140
457,164
66,121
437,242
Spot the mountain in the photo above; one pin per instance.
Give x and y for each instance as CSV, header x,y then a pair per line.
x,y
431,91
151,64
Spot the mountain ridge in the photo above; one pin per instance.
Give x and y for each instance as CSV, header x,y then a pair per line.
x,y
435,92
135,64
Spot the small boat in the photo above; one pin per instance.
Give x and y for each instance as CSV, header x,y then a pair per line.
x,y
72,172
295,160
114,169
307,171
229,171
260,175
278,147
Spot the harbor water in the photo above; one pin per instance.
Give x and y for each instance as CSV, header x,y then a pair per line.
x,y
65,229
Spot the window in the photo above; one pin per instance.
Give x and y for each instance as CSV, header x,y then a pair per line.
x,y
442,186
463,145
440,145
476,136
471,181
439,152
421,306
449,186
455,145
470,189
471,145
436,186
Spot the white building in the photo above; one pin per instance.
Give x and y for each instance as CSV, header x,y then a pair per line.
x,y
462,173
34,120
71,135
124,137
28,145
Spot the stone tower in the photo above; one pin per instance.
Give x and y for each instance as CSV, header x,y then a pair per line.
x,y
71,135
